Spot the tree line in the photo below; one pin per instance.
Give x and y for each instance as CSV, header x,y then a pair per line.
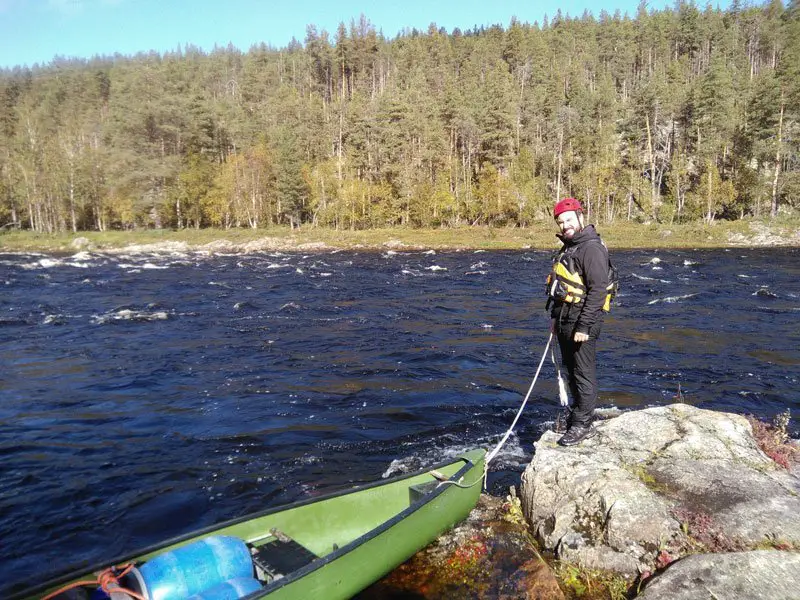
x,y
672,115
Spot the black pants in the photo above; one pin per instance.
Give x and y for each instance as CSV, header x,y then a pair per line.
x,y
580,362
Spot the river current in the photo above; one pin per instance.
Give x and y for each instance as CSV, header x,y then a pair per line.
x,y
146,395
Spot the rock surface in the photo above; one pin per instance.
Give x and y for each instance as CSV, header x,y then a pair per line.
x,y
757,575
656,484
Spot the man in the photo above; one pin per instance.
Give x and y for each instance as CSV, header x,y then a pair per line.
x,y
579,292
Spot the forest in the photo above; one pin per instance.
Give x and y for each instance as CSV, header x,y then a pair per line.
x,y
683,114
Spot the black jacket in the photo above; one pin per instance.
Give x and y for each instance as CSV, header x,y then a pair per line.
x,y
591,261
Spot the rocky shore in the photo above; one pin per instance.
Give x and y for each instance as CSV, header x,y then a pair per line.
x,y
668,495
672,502
264,244
759,236
783,231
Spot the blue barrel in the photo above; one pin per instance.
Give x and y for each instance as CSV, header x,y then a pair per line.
x,y
195,568
230,590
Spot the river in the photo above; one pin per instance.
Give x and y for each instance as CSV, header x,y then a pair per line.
x,y
147,395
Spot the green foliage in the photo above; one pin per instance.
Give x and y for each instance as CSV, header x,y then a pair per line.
x,y
191,190
290,184
675,115
591,584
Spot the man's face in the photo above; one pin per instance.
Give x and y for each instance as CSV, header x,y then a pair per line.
x,y
569,223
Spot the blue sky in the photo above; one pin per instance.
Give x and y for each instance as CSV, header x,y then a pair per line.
x,y
34,31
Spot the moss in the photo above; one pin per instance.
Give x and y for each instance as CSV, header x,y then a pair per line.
x,y
776,543
513,511
591,584
648,479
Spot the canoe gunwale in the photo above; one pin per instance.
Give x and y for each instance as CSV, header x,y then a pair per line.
x,y
372,533
77,570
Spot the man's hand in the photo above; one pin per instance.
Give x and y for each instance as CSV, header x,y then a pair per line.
x,y
553,326
580,337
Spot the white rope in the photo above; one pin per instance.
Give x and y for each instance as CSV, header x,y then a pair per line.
x,y
493,453
562,388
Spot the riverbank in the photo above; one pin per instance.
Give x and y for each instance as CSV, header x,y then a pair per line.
x,y
612,519
674,498
720,234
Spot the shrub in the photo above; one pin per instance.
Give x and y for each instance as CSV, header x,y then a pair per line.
x,y
773,439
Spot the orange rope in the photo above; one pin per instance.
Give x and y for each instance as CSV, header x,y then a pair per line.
x,y
66,588
104,579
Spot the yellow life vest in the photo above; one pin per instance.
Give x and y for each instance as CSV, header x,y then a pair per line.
x,y
564,283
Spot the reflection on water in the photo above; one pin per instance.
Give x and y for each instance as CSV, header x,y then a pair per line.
x,y
143,396
775,357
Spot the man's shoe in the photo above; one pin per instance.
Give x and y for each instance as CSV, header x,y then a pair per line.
x,y
576,434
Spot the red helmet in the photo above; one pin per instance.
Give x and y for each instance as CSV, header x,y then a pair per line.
x,y
566,205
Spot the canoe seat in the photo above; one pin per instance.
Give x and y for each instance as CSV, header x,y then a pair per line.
x,y
281,556
417,492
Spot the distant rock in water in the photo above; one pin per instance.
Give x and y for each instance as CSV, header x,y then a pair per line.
x,y
673,299
126,314
658,484
765,292
12,322
244,306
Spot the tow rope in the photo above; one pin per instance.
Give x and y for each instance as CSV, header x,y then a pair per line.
x,y
564,400
493,453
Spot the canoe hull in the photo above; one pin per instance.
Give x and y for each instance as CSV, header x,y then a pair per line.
x,y
358,567
358,535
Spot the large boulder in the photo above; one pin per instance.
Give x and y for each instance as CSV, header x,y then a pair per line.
x,y
757,575
655,484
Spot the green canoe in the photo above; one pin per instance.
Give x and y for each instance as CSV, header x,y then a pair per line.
x,y
332,546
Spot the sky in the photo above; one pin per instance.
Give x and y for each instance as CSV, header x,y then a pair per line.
x,y
35,31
